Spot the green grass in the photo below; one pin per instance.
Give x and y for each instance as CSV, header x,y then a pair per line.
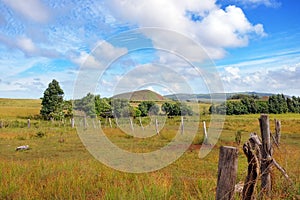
x,y
58,166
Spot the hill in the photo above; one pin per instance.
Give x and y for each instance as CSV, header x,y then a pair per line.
x,y
141,95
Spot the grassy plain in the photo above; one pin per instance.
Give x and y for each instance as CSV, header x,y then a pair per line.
x,y
58,166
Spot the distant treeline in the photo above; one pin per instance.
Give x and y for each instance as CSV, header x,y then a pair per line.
x,y
276,104
92,105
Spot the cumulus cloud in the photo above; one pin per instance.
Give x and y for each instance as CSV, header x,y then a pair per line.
x,y
284,79
203,21
28,47
33,10
103,54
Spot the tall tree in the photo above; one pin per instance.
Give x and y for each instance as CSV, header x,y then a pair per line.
x,y
52,102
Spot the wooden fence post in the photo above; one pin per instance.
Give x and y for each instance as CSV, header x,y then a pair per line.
x,y
141,123
227,172
117,122
277,131
72,122
182,125
28,123
109,120
131,124
252,150
205,140
156,126
266,153
1,124
85,122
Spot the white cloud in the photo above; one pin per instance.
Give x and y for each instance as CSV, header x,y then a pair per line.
x,y
267,3
216,29
31,9
284,79
103,54
26,45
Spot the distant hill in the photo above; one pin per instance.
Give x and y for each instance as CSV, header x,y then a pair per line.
x,y
141,95
207,97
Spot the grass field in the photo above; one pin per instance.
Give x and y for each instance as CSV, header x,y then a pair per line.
x,y
58,166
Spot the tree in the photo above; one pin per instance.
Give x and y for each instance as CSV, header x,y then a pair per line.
x,y
86,105
103,107
148,107
121,108
52,101
176,109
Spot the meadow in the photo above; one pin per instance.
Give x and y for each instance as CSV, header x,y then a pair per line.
x,y
58,166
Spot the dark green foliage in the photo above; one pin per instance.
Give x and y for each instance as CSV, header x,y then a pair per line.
x,y
68,109
121,108
86,105
148,108
176,108
103,107
52,102
276,104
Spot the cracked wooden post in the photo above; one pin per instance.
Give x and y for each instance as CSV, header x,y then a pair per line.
x,y
277,131
266,153
252,150
28,123
227,172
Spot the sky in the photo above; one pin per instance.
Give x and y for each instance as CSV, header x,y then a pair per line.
x,y
113,46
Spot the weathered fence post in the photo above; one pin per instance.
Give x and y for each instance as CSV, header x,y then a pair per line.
x,y
182,125
117,122
141,123
84,122
99,123
227,172
109,120
252,150
205,140
277,131
28,123
131,124
1,124
72,122
266,153
156,126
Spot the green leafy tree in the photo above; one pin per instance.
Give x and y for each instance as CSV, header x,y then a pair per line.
x,y
103,107
121,108
86,105
148,107
176,108
52,101
68,109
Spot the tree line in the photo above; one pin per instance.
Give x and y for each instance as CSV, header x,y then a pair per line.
x,y
276,104
54,107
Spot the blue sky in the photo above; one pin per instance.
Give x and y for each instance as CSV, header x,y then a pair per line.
x,y
197,46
